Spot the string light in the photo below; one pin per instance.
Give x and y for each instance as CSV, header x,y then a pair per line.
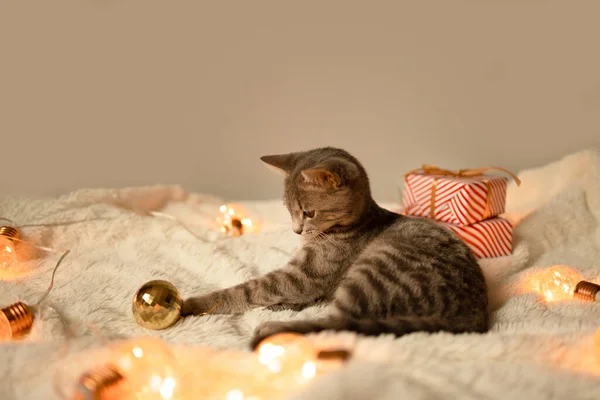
x,y
232,222
562,282
143,368
17,318
290,353
149,366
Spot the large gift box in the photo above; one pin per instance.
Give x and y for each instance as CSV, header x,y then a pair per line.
x,y
461,197
487,239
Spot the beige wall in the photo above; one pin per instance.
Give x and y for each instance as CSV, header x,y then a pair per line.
x,y
110,93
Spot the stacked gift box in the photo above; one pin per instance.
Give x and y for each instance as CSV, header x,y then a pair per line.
x,y
468,202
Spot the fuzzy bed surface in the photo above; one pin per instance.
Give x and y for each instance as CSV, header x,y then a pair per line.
x,y
534,350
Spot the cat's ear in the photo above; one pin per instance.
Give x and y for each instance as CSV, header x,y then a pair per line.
x,y
333,173
322,177
281,163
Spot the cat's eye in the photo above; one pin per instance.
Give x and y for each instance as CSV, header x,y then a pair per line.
x,y
309,214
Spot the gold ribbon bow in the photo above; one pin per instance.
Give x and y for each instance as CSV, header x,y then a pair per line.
x,y
429,169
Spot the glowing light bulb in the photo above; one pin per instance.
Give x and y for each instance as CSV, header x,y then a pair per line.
x,y
558,283
232,221
289,353
8,256
149,367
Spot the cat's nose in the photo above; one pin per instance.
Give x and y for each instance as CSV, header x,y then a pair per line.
x,y
297,226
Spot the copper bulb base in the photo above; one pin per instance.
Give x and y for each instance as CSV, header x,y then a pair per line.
x,y
94,383
338,355
9,232
587,291
19,317
235,227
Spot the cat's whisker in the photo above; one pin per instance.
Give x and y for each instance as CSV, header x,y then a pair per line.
x,y
319,242
333,242
316,237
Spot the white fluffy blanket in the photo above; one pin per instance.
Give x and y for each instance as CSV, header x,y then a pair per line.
x,y
534,350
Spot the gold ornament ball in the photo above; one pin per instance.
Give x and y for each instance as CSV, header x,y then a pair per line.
x,y
157,305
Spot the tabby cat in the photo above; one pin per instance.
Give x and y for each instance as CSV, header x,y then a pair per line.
x,y
380,271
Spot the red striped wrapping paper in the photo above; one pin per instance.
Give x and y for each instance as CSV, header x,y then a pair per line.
x,y
487,239
456,200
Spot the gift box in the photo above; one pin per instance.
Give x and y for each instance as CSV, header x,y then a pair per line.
x,y
461,197
487,239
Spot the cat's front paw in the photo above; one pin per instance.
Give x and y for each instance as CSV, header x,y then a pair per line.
x,y
190,307
265,330
195,306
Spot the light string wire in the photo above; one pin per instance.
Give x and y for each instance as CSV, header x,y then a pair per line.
x,y
178,222
138,212
37,246
10,221
118,206
65,223
52,279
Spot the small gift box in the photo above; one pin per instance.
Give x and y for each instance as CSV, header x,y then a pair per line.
x,y
487,239
461,197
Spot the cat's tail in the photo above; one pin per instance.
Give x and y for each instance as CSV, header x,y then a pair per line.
x,y
397,325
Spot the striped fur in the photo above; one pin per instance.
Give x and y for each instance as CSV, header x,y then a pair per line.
x,y
381,272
